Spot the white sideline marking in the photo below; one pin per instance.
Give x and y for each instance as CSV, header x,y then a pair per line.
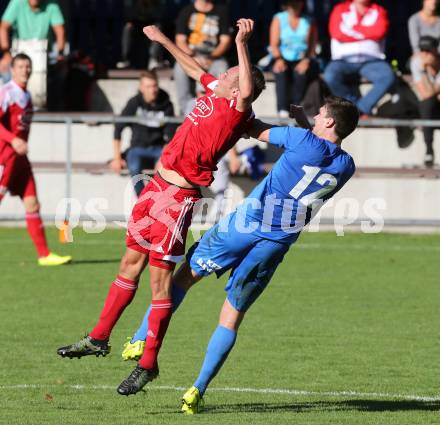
x,y
79,387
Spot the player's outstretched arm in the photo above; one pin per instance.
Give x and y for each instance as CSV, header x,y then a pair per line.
x,y
245,83
190,66
260,130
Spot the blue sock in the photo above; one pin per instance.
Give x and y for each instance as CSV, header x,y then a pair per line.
x,y
177,296
220,344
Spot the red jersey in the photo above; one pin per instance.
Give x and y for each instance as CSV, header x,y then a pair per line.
x,y
207,133
15,113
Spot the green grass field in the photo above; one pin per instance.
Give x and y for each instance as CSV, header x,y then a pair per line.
x,y
346,333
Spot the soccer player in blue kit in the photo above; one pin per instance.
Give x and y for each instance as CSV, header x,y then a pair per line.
x,y
252,241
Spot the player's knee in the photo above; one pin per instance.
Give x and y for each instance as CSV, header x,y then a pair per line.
x,y
31,205
185,277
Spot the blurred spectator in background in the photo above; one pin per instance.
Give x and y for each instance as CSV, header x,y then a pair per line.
x,y
203,31
425,69
31,21
137,50
425,22
147,140
293,39
358,29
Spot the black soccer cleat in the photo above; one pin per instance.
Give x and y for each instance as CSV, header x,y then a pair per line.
x,y
86,346
137,379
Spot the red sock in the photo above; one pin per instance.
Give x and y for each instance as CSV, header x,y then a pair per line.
x,y
36,231
158,321
119,296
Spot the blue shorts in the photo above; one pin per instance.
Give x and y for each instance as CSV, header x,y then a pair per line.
x,y
253,260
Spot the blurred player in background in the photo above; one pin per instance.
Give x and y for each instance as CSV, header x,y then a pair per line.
x,y
15,169
160,220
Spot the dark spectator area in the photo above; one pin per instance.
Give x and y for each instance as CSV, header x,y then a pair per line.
x,y
95,27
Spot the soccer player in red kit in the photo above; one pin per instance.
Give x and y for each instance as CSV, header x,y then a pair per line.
x,y
159,222
16,175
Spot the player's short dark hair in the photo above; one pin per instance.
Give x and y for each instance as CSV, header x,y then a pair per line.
x,y
20,57
345,114
259,81
151,75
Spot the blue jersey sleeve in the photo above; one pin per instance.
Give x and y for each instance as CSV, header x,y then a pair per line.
x,y
287,137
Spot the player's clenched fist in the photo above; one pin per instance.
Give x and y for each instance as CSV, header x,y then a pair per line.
x,y
154,33
245,28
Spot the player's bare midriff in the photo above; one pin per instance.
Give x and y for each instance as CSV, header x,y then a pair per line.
x,y
175,178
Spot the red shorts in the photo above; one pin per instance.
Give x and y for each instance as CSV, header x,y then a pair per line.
x,y
159,222
16,175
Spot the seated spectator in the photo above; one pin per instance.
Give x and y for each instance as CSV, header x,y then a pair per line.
x,y
293,40
358,29
204,32
425,22
425,69
147,140
31,21
137,50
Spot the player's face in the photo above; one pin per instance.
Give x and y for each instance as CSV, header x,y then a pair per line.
x,y
322,120
21,71
227,83
149,89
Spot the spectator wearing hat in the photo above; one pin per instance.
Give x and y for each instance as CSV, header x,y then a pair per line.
x,y
425,70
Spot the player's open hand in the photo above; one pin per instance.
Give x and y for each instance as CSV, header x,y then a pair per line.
x,y
154,33
245,28
20,146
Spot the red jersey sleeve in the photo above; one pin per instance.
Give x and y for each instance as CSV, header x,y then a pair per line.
x,y
345,33
5,134
209,82
379,29
335,24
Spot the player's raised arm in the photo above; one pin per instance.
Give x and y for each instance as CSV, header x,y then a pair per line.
x,y
245,82
260,130
190,66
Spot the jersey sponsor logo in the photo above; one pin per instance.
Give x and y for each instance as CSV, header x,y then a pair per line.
x,y
209,265
203,109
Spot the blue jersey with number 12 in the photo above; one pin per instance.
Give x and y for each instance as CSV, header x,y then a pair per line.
x,y
310,171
